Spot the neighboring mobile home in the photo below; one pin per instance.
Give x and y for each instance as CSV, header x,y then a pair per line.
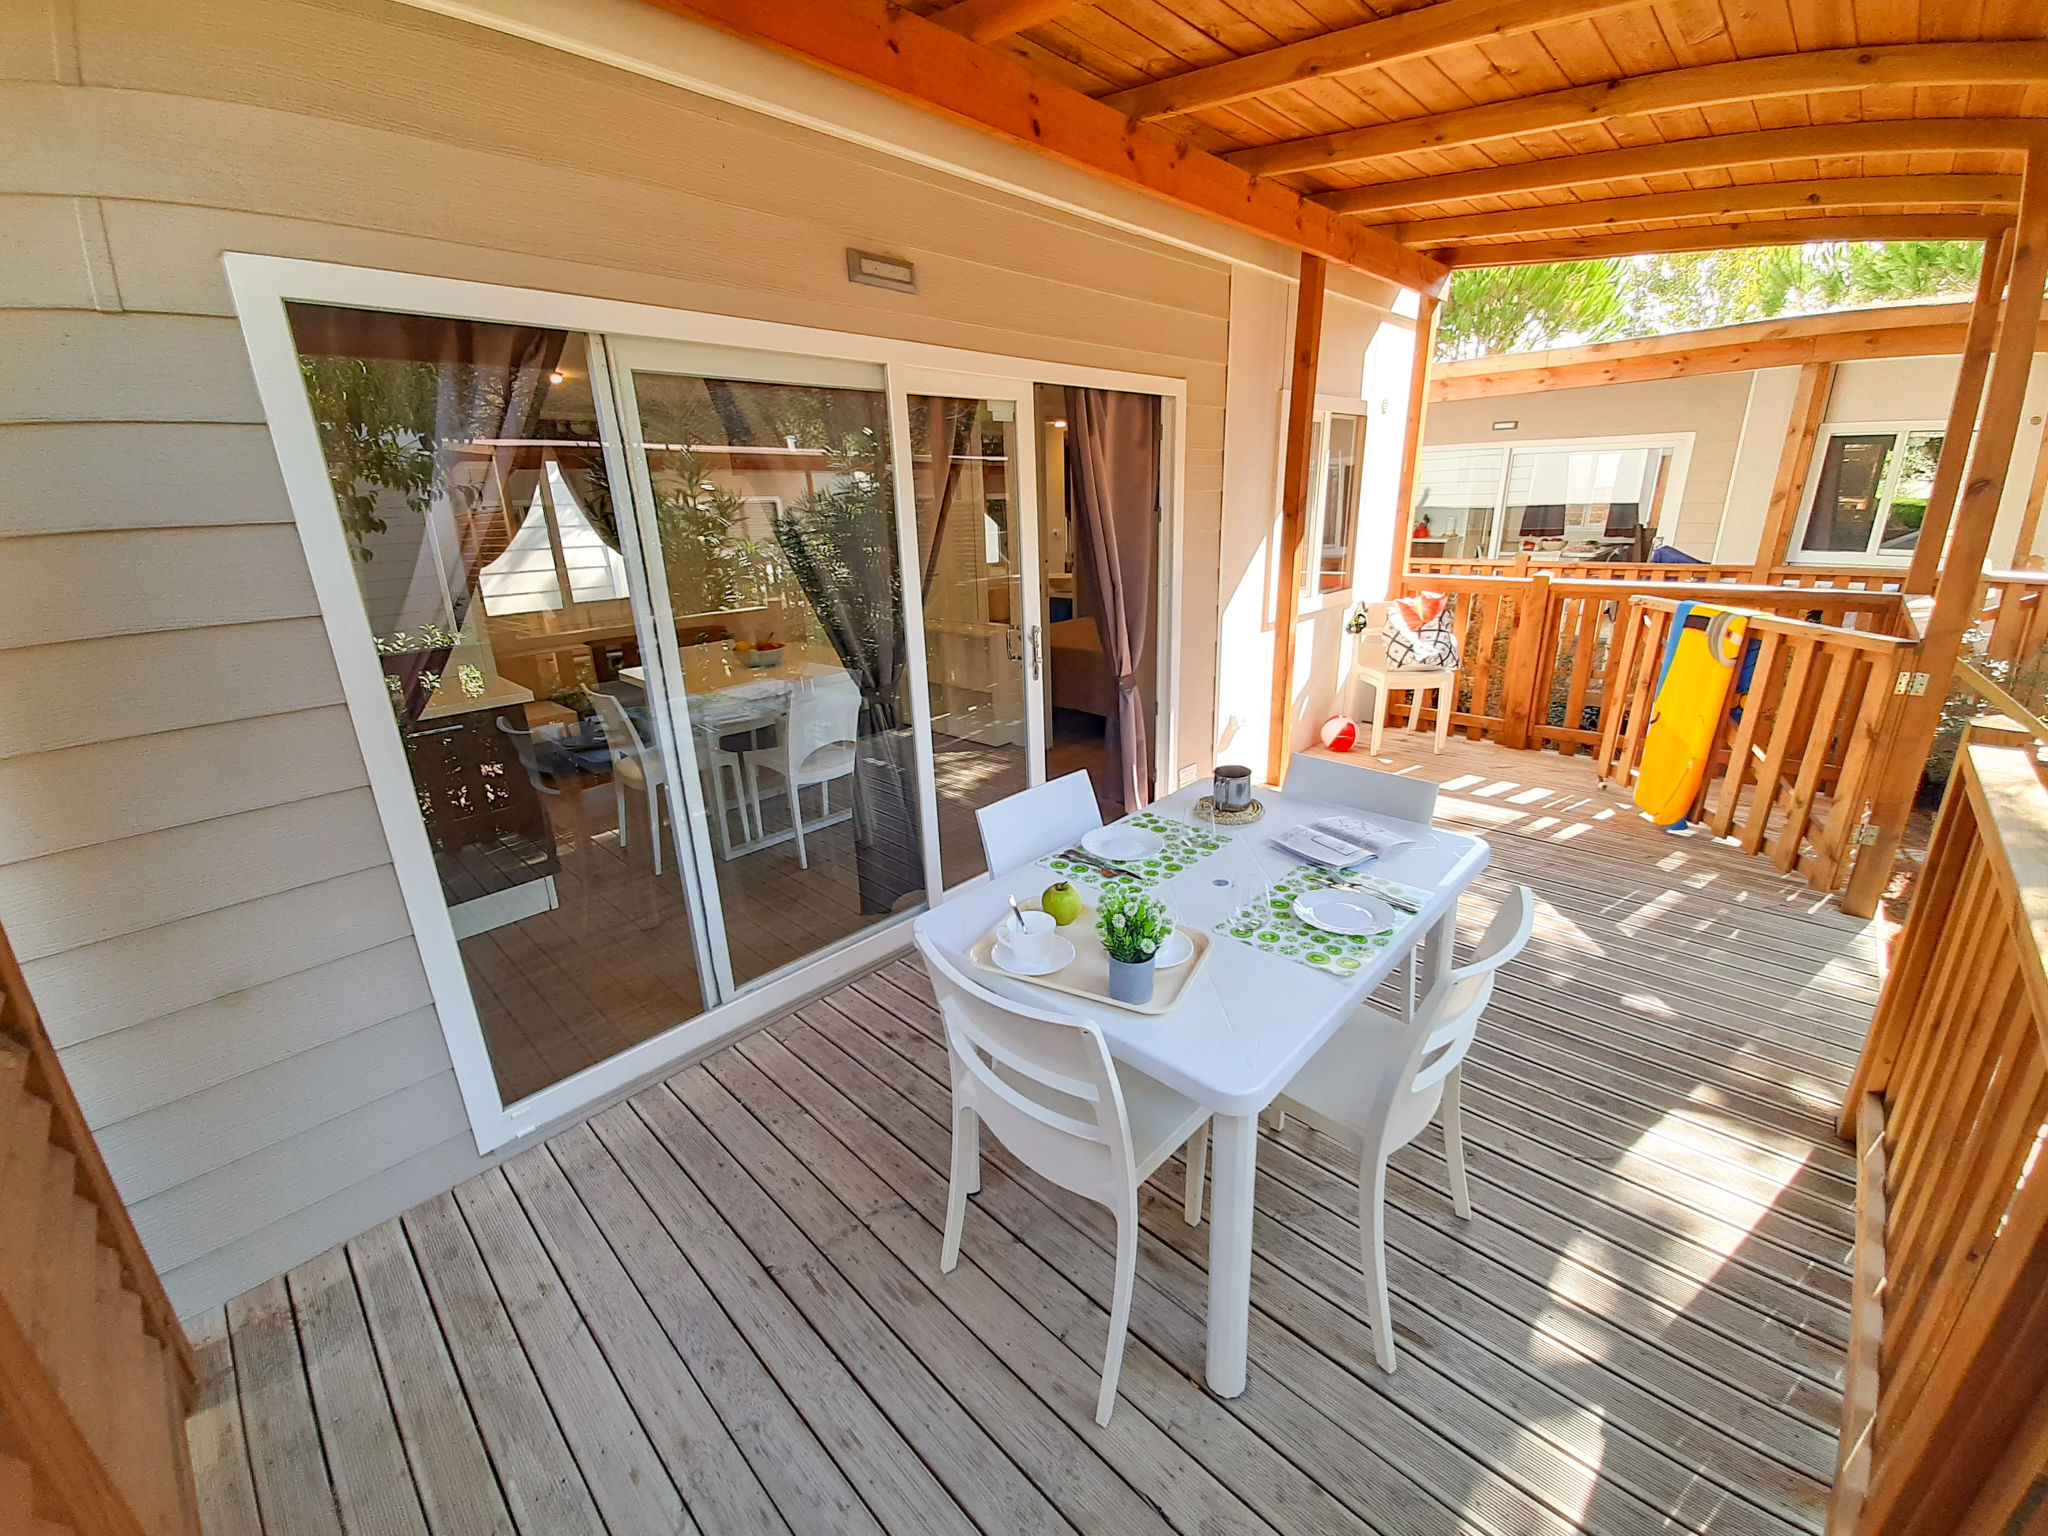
x,y
1573,452
639,282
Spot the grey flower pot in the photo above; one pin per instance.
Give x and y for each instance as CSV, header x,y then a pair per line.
x,y
1130,982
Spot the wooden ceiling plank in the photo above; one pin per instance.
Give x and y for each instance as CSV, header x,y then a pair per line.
x,y
1725,237
1871,192
920,62
983,21
1838,70
1373,45
1714,153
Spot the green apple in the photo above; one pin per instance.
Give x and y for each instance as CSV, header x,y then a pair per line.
x,y
1061,902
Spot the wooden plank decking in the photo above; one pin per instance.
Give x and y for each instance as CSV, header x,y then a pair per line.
x,y
718,1308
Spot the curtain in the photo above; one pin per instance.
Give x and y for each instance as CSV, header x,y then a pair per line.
x,y
1113,488
840,543
408,396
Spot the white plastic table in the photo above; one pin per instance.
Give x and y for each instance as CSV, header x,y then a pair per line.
x,y
1250,1020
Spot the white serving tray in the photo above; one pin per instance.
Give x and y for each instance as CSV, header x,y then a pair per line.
x,y
1087,974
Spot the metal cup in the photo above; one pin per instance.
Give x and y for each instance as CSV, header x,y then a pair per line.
x,y
1233,791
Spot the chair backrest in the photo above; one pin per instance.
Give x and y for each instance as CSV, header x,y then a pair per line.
x,y
1448,1020
1036,821
1361,788
823,712
620,734
529,756
1043,1083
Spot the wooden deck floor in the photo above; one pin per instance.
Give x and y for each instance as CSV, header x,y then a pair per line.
x,y
718,1307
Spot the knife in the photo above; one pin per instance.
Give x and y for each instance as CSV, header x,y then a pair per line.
x,y
1365,890
1083,856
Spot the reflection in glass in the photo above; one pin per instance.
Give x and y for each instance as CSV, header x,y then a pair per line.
x,y
774,507
471,486
1581,503
1340,490
1457,492
1909,494
964,469
1852,478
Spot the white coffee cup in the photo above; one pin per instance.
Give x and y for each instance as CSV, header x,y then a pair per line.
x,y
1032,944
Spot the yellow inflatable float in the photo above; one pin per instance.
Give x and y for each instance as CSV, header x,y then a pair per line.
x,y
1692,691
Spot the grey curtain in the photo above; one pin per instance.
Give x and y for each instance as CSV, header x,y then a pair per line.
x,y
1113,488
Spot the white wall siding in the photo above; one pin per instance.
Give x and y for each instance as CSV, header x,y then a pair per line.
x,y
189,860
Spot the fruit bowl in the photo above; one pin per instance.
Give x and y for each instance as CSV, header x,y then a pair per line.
x,y
758,657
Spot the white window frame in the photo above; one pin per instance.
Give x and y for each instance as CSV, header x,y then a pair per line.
x,y
1308,596
261,286
1680,444
1797,553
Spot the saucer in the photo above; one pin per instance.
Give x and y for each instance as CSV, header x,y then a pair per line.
x,y
1061,957
1177,950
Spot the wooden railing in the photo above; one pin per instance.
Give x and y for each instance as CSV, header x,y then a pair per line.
x,y
2014,607
96,1376
1792,769
1849,578
1945,1428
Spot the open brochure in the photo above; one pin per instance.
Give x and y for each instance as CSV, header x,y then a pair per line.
x,y
1339,842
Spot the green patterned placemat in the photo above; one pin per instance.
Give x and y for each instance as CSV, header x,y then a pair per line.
x,y
1184,847
1268,922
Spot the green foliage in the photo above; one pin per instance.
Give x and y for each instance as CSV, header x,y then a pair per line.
x,y
376,424
840,543
1519,309
694,516
1131,924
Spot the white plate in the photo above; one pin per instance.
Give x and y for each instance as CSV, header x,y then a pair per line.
x,y
1059,959
1345,912
1119,844
1175,951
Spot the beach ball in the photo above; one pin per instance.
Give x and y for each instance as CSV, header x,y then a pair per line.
x,y
1340,733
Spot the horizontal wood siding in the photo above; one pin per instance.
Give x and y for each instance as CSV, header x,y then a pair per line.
x,y
189,857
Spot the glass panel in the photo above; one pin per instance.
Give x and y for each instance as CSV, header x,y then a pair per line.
x,y
1457,491
964,470
1909,496
1845,502
1578,503
469,478
1340,502
775,508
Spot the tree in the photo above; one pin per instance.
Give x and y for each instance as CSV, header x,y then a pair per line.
x,y
1519,309
1522,309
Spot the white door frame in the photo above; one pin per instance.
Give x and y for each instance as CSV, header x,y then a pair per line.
x,y
261,285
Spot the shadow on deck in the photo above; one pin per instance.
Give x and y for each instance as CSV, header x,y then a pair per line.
x,y
718,1307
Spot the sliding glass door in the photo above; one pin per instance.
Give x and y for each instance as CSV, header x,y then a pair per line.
x,y
767,491
980,590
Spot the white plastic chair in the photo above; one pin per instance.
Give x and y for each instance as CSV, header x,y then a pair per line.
x,y
1383,677
1363,788
819,738
1046,1086
1379,1081
1034,822
632,764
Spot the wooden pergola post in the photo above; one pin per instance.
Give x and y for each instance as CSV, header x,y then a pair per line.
x,y
1788,486
1955,593
1411,441
1301,416
1962,412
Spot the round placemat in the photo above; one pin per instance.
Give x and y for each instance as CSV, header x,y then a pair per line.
x,y
1205,810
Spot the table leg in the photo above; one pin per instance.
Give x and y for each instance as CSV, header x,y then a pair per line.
x,y
1230,1249
1437,951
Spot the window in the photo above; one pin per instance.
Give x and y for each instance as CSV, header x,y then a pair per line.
x,y
1870,489
1337,502
1559,501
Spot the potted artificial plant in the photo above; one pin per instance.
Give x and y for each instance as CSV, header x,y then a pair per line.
x,y
1131,926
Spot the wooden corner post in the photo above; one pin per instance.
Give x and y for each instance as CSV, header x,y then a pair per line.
x,y
1411,440
1962,572
1962,412
1808,407
1301,416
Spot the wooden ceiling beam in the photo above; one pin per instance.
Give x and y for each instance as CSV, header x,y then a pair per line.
x,y
1725,237
1677,90
1370,45
918,61
1719,152
987,21
1879,193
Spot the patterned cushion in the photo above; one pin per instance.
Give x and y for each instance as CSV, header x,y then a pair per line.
x,y
1422,632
